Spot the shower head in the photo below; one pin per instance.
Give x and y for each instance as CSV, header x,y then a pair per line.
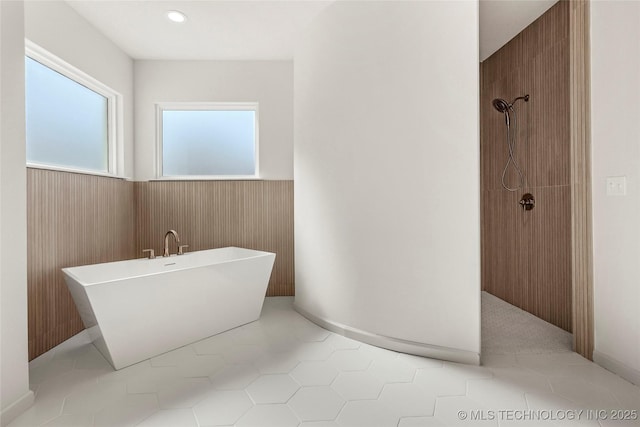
x,y
504,106
501,105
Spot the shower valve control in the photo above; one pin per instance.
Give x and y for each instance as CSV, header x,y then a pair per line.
x,y
527,202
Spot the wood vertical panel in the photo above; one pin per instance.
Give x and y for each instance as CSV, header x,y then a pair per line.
x,y
526,257
502,241
545,257
72,219
483,258
580,127
212,214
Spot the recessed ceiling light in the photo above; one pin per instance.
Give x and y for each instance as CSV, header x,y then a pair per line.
x,y
176,16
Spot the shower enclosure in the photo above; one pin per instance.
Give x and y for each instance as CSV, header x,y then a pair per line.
x,y
525,162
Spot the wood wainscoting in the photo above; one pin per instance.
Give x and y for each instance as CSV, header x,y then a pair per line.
x,y
76,219
212,214
72,219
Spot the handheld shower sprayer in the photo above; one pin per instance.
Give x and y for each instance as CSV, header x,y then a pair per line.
x,y
502,106
506,108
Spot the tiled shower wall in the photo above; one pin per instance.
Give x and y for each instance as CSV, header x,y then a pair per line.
x,y
526,256
76,219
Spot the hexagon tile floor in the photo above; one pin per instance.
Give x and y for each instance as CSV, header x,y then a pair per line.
x,y
285,371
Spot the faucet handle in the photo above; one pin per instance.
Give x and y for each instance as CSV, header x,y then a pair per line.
x,y
152,253
180,251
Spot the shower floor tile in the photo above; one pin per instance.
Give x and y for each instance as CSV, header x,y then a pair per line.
x,y
508,330
285,371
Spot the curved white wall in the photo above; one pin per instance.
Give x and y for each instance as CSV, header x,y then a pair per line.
x,y
386,170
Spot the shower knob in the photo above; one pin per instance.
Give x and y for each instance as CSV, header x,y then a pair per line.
x,y
527,202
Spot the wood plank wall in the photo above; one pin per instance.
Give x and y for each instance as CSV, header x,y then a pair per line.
x,y
582,259
72,219
212,214
526,256
76,219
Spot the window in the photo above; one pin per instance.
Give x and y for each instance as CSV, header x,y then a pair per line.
x,y
70,117
209,140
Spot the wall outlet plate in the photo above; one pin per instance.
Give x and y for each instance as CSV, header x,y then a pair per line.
x,y
616,186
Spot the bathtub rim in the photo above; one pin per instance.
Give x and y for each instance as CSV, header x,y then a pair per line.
x,y
68,270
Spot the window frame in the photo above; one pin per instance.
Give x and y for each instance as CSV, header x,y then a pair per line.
x,y
206,106
115,131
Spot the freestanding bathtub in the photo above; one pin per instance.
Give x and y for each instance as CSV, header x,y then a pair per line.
x,y
140,308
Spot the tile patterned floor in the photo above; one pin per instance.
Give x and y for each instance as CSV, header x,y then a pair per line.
x,y
285,371
507,329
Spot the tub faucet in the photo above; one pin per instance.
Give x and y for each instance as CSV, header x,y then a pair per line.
x,y
166,241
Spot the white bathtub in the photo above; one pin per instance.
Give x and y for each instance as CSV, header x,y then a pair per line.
x,y
140,308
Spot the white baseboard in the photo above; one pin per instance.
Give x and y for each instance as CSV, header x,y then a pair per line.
x,y
12,411
395,344
609,363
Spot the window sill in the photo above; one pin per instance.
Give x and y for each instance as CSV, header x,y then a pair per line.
x,y
209,178
77,171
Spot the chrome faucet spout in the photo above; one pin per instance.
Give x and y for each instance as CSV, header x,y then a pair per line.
x,y
166,241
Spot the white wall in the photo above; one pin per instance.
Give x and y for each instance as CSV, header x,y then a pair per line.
x,y
386,162
270,83
15,395
55,26
615,121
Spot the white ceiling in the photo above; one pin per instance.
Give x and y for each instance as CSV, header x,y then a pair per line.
x,y
225,30
261,29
